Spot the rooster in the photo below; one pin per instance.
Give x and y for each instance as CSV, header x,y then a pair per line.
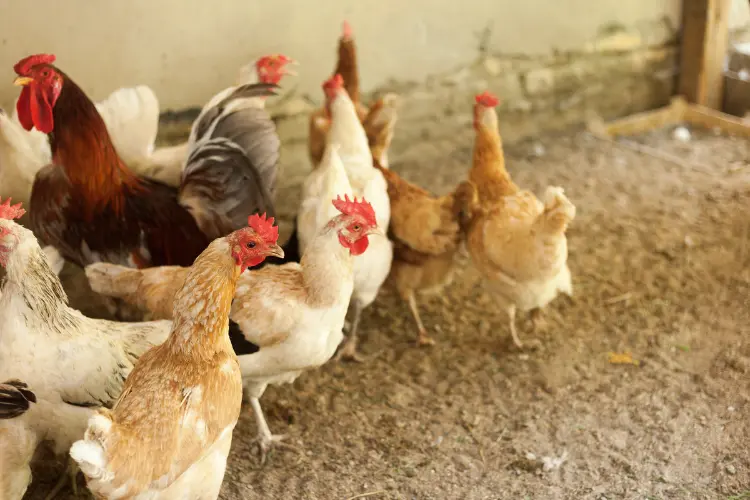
x,y
427,232
371,270
17,443
169,433
379,120
292,314
92,208
41,337
517,242
131,116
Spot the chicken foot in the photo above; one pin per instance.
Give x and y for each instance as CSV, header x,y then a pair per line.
x,y
265,439
69,474
348,351
423,338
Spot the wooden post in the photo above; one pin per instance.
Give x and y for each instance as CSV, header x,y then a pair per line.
x,y
705,36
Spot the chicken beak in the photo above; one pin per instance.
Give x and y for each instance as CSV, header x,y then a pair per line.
x,y
376,231
275,251
22,81
285,70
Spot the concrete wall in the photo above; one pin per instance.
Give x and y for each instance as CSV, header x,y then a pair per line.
x,y
187,49
538,54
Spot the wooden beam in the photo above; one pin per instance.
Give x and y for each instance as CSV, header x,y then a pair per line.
x,y
705,36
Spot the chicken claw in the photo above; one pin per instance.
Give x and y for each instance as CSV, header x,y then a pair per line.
x,y
424,338
348,351
265,443
265,439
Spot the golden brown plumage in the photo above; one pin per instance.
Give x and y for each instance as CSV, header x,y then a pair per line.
x,y
517,242
427,232
169,433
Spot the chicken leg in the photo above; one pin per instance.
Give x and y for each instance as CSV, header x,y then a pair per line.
x,y
424,338
349,350
265,439
512,319
70,474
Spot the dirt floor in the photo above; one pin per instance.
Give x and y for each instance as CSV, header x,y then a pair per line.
x,y
659,254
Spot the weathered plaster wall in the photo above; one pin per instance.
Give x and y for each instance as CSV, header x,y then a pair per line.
x,y
551,62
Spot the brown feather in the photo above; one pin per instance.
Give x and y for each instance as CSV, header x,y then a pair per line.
x,y
183,394
89,206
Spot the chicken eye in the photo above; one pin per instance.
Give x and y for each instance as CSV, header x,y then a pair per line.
x,y
251,244
357,227
45,73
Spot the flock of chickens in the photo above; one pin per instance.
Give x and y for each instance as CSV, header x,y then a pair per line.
x,y
147,409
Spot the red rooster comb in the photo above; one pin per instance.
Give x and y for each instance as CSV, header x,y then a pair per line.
x,y
10,212
487,99
334,83
264,227
346,31
361,208
23,67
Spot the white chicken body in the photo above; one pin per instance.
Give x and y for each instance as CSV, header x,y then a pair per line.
x,y
74,363
372,268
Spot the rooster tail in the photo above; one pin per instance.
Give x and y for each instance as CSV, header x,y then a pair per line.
x,y
89,453
380,125
346,65
465,203
112,280
558,210
15,399
488,170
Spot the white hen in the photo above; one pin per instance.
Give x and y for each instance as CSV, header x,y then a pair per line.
x,y
370,270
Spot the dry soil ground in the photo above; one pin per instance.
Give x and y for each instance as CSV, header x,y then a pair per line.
x,y
659,254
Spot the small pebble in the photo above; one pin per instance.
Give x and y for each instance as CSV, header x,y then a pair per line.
x,y
730,470
730,408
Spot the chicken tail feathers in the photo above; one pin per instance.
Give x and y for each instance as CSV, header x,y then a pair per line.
x,y
89,453
15,399
221,187
559,211
112,280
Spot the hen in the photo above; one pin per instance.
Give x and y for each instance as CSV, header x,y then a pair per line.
x,y
169,433
74,364
92,208
379,120
517,242
427,232
366,181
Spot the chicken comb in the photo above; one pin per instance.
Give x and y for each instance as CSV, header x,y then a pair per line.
x,y
335,82
346,31
362,208
23,67
264,227
10,212
487,99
